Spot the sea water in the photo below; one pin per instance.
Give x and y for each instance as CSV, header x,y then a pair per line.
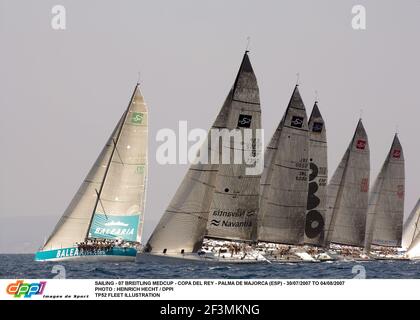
x,y
20,266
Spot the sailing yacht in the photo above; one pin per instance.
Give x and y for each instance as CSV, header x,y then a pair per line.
x,y
217,200
317,188
105,218
284,186
347,199
386,207
318,177
412,233
411,226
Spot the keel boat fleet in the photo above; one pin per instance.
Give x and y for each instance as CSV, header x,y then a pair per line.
x,y
278,208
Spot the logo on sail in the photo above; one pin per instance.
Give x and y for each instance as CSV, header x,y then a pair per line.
x,y
27,290
296,122
137,117
361,144
364,186
116,223
114,227
396,153
215,223
317,127
244,121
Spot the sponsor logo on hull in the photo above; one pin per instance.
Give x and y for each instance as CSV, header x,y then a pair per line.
x,y
68,253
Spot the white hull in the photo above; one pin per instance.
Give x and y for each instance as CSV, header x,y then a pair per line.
x,y
195,258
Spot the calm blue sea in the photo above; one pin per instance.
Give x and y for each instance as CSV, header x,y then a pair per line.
x,y
22,266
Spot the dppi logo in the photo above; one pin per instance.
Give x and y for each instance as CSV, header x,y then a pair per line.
x,y
27,290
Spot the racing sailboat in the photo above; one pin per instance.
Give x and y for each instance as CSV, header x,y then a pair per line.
x,y
386,203
217,200
284,183
411,226
105,218
347,195
318,177
412,233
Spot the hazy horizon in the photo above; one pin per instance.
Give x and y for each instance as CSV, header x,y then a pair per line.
x,y
62,91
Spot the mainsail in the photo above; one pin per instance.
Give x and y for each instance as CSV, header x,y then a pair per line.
x,y
347,194
414,249
386,201
183,225
110,202
411,226
318,177
233,211
284,183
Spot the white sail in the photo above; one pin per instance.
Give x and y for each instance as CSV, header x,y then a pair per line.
x,y
123,177
413,251
233,211
284,183
386,201
318,177
347,194
183,225
411,226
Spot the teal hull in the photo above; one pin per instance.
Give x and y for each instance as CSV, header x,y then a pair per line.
x,y
73,254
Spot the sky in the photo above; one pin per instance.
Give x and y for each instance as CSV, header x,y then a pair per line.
x,y
62,91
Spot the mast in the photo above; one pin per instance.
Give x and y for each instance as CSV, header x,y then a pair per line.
x,y
99,192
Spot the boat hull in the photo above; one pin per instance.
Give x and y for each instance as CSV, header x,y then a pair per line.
x,y
192,258
73,254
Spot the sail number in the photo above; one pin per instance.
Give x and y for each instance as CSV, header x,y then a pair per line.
x,y
314,220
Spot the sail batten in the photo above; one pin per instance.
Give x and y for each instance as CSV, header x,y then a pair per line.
x,y
284,182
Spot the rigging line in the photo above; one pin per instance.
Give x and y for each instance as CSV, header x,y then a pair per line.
x,y
100,201
118,153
